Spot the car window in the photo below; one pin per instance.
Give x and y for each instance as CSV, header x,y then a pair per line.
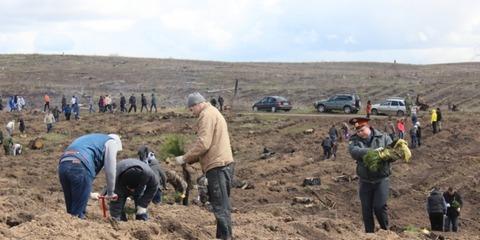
x,y
348,98
394,103
264,100
341,98
270,99
385,103
332,98
401,103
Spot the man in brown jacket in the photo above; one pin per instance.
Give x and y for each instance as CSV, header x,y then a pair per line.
x,y
212,149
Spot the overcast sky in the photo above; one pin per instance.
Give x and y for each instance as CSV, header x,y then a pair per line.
x,y
409,31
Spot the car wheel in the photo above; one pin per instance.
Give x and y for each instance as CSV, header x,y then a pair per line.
x,y
374,112
255,109
274,109
400,113
347,109
321,108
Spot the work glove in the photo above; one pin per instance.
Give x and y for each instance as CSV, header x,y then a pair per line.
x,y
402,151
179,160
112,197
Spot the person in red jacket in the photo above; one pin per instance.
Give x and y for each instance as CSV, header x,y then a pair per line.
x,y
369,108
400,128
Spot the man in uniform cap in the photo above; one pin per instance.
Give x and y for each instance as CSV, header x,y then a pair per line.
x,y
373,185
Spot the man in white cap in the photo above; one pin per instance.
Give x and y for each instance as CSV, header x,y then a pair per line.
x,y
79,165
212,149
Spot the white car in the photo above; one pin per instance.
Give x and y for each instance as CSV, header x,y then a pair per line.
x,y
391,106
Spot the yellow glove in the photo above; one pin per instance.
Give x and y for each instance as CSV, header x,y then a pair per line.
x,y
401,148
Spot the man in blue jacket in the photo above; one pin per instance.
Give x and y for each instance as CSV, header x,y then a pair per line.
x,y
80,164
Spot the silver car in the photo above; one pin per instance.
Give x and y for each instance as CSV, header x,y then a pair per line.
x,y
391,106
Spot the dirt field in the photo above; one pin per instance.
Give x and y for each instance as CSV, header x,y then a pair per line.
x,y
31,199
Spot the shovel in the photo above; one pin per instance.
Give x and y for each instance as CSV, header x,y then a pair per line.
x,y
103,206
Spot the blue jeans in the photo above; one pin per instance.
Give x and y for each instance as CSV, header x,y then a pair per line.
x,y
76,185
373,197
219,183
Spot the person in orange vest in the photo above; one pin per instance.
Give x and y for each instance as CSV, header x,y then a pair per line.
x,y
47,103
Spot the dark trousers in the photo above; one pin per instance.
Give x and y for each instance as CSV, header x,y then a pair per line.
x,y
414,141
157,198
373,197
67,116
117,208
436,221
76,185
49,127
47,105
144,106
219,183
451,223
153,106
123,108
134,108
327,152
434,127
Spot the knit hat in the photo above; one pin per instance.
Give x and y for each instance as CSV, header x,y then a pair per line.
x,y
133,177
195,98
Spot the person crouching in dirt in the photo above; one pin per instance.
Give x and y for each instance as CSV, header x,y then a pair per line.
x,y
436,208
213,150
82,160
136,179
7,145
147,156
16,149
373,186
327,145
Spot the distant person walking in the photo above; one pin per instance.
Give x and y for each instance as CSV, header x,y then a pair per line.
x,y
64,102
90,104
327,145
390,128
144,103
369,108
21,127
153,103
46,98
68,112
419,133
439,119
401,128
413,136
433,120
123,103
133,103
56,113
220,103
49,119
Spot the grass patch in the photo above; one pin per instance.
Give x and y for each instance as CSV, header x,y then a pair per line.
x,y
412,229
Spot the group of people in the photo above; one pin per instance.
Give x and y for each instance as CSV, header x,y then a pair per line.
x,y
9,146
87,155
444,209
15,103
220,101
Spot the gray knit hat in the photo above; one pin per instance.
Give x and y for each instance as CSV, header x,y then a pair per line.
x,y
195,98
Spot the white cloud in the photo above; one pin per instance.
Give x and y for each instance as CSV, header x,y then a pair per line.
x,y
350,40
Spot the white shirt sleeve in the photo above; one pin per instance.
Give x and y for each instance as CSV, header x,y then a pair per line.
x,y
110,165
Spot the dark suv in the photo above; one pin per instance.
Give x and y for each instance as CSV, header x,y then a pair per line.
x,y
273,104
348,103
